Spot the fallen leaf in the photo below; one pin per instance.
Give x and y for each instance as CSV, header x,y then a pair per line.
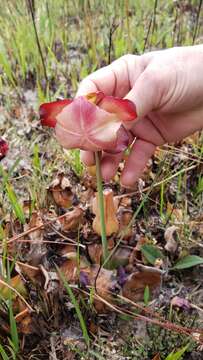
x,y
73,219
32,272
15,282
37,246
171,237
66,249
61,191
89,182
124,216
120,257
72,266
72,336
136,255
105,284
111,221
136,282
95,251
24,322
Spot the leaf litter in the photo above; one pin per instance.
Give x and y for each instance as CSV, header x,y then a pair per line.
x,y
63,231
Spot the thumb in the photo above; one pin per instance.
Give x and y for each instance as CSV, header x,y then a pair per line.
x,y
146,92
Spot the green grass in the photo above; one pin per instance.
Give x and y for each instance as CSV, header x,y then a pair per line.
x,y
76,306
134,29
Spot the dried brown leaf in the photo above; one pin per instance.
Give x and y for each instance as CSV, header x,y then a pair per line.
x,y
124,217
136,282
95,251
24,322
32,272
171,238
104,283
73,219
16,283
61,191
136,255
72,266
37,246
111,221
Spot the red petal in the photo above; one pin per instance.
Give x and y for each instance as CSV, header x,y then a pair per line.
x,y
123,140
84,125
123,108
3,148
49,111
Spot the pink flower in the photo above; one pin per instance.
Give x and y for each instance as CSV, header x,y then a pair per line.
x,y
3,148
93,122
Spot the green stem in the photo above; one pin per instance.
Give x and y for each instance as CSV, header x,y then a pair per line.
x,y
101,207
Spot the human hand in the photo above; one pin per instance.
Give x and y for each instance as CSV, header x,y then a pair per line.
x,y
167,89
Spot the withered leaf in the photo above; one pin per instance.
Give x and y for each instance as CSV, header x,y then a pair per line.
x,y
24,322
95,251
32,272
136,282
17,283
124,217
136,255
37,246
73,219
72,266
171,238
111,221
105,284
61,191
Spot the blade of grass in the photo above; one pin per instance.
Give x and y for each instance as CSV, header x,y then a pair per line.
x,y
3,353
13,328
15,204
76,306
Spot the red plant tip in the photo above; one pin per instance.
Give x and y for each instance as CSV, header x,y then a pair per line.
x,y
93,122
3,148
49,111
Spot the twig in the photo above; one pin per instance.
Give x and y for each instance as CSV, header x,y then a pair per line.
x,y
158,183
16,237
164,323
112,29
30,7
154,15
197,21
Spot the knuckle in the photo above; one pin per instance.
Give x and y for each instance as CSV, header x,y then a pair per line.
x,y
129,57
152,77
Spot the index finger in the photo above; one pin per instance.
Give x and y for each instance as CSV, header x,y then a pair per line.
x,y
111,80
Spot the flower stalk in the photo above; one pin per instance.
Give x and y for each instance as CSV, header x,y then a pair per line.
x,y
101,207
